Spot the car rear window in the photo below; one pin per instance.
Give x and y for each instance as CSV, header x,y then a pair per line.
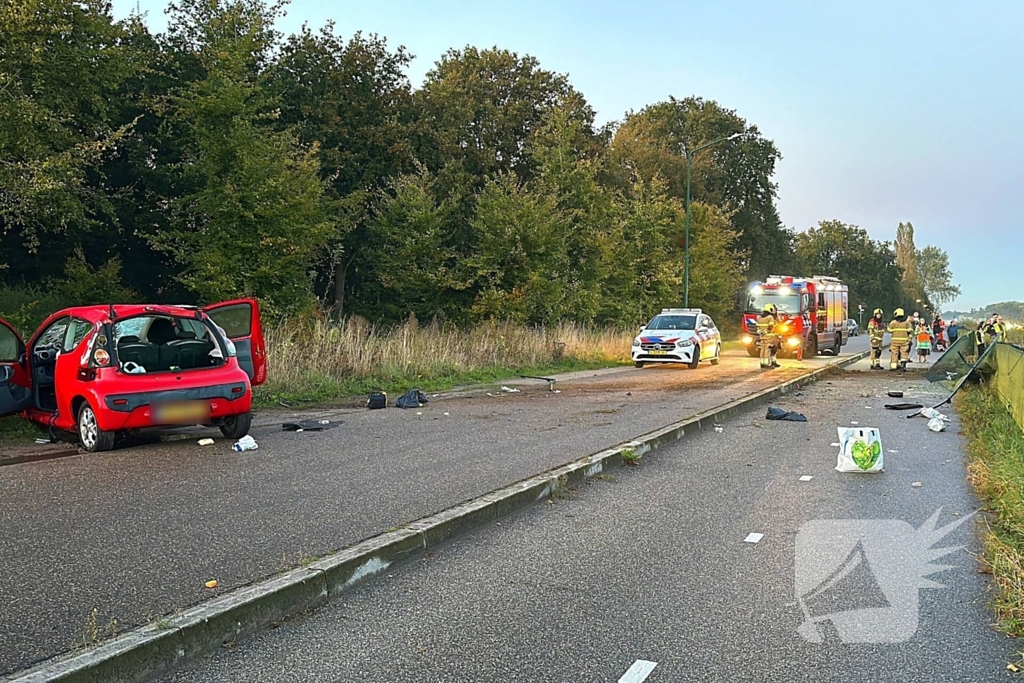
x,y
673,322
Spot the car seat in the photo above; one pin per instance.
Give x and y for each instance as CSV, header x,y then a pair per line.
x,y
187,351
129,348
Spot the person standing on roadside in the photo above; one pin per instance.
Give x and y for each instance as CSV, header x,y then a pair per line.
x,y
766,336
900,330
924,342
980,339
937,328
999,327
953,331
876,333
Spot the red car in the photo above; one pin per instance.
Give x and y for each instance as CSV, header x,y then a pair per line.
x,y
101,370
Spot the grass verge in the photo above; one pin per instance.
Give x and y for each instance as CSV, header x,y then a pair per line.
x,y
15,430
320,361
996,470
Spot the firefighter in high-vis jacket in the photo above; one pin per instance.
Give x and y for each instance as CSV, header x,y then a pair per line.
x,y
901,330
766,335
876,332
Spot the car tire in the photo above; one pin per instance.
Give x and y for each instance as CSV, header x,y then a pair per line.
x,y
696,359
92,438
753,352
638,364
236,426
718,355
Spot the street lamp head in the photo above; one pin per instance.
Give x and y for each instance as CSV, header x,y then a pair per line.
x,y
735,135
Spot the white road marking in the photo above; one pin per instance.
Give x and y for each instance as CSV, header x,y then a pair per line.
x,y
639,672
753,538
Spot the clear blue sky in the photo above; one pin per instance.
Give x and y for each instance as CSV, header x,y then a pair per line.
x,y
884,111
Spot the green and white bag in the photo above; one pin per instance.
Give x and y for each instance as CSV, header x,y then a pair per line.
x,y
860,450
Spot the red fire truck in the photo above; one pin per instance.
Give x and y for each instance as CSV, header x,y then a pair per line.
x,y
812,314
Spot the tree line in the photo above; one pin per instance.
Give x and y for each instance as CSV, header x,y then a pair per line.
x,y
221,159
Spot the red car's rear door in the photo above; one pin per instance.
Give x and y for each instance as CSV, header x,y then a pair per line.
x,y
240,320
15,381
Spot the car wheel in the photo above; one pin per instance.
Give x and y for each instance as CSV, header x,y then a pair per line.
x,y
93,438
638,363
718,355
696,359
236,426
753,352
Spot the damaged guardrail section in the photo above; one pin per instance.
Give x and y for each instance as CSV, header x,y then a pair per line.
x,y
159,647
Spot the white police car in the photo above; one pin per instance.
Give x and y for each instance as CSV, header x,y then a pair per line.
x,y
678,335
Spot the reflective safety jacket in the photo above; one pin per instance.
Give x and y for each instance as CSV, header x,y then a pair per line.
x,y
901,331
876,331
765,324
999,328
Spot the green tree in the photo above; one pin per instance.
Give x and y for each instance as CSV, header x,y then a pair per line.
x,y
519,260
846,251
906,259
417,269
62,64
935,276
736,175
646,265
252,219
353,100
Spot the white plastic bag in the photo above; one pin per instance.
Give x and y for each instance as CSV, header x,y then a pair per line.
x,y
860,450
246,443
937,424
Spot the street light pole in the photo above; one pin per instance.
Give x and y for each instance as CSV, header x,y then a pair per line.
x,y
686,262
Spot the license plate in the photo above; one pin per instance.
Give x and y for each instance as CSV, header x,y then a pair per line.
x,y
183,412
659,352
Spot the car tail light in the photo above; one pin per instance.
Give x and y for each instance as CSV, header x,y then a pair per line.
x,y
120,401
237,390
101,357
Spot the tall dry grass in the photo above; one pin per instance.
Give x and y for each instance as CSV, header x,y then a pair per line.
x,y
317,359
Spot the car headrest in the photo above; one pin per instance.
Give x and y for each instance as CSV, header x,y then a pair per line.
x,y
186,334
128,339
161,331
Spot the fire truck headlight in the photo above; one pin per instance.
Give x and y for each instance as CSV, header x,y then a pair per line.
x,y
784,328
747,339
793,341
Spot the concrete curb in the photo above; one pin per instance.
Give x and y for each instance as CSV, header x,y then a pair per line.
x,y
162,646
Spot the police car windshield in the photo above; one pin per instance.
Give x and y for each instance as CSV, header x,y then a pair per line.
x,y
673,322
784,304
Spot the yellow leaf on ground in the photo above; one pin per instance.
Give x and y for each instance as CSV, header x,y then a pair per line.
x,y
211,584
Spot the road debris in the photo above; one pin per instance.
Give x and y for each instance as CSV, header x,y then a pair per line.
x,y
309,426
806,477
377,400
42,441
414,398
903,406
860,450
936,424
719,428
753,538
917,484
246,443
211,584
894,394
205,442
510,390
784,415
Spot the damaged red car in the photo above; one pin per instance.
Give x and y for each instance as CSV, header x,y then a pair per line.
x,y
100,371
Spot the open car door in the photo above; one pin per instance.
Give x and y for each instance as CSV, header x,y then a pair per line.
x,y
15,382
240,320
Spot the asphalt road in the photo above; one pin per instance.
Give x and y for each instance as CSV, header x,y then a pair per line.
x,y
652,565
96,544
